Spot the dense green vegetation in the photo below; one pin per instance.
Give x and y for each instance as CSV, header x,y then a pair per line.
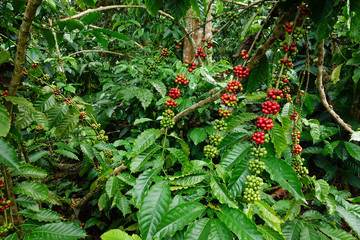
x,y
179,119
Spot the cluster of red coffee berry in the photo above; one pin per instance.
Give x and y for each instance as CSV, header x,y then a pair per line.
x,y
4,94
270,107
174,93
241,71
82,115
207,43
225,113
38,128
228,100
275,94
264,123
234,86
170,103
68,101
297,149
293,116
164,52
288,27
200,53
181,79
244,54
35,65
190,66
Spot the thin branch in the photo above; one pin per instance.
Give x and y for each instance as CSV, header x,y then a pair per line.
x,y
101,51
321,90
277,32
236,3
56,46
79,15
80,202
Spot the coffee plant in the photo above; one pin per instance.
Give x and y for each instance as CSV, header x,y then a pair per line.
x,y
179,119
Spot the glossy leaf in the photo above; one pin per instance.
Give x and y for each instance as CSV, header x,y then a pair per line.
x,y
199,230
335,233
231,139
353,150
27,170
67,125
28,203
59,231
285,175
122,203
140,159
4,121
238,120
153,6
35,190
159,86
187,180
66,153
57,114
43,215
146,139
219,231
292,229
239,224
293,211
154,207
278,138
112,186
268,214
222,193
8,155
308,232
105,147
235,155
349,217
198,135
178,217
143,182
179,155
238,179
44,102
269,233
259,74
322,189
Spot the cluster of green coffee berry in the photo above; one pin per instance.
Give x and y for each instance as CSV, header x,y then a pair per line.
x,y
167,121
298,163
298,33
220,124
215,139
151,67
210,151
101,136
6,227
258,152
253,186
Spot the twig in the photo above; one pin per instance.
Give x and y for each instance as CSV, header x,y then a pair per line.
x,y
57,47
237,3
80,202
277,32
100,51
321,90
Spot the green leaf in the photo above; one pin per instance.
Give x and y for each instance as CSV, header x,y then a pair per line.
x,y
34,156
90,3
238,223
91,17
122,203
67,125
142,120
238,178
258,75
153,6
28,203
43,215
198,135
335,75
349,217
330,203
355,20
35,190
87,150
73,24
222,193
177,8
322,189
66,153
356,76
159,86
285,175
195,6
45,102
146,139
278,138
140,159
41,120
180,155
105,147
353,150
292,229
315,132
145,96
178,217
308,232
269,233
143,182
187,181
153,209
59,231
27,170
117,234
219,231
4,121
293,211
4,56
238,120
269,215
335,233
256,95
8,155
13,236
235,155
57,114
21,101
113,34
101,38
112,186
199,230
